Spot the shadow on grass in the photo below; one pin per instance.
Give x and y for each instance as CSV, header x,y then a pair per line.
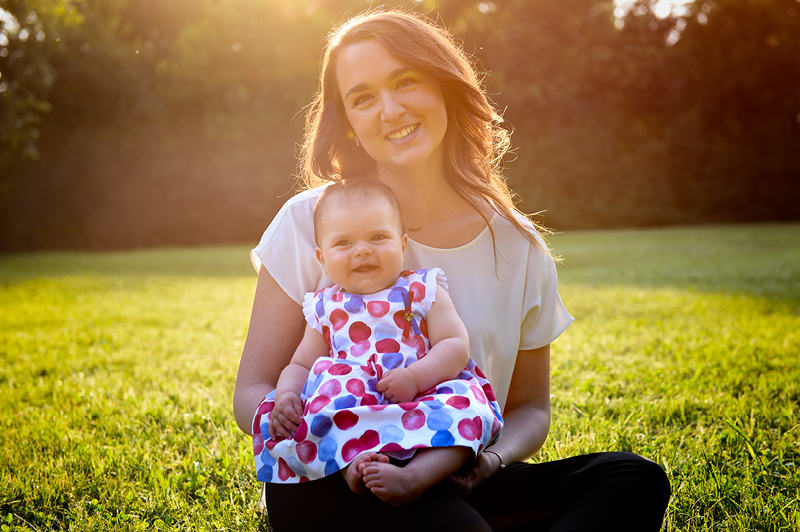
x,y
216,261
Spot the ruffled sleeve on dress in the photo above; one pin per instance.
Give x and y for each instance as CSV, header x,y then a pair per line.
x,y
441,278
432,278
310,303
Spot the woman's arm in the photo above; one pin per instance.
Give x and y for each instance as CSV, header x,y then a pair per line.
x,y
288,411
526,416
449,354
527,411
276,327
293,377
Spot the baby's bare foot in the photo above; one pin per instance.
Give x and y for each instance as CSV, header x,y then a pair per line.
x,y
353,473
397,486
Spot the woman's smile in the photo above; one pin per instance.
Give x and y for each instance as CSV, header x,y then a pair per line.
x,y
403,133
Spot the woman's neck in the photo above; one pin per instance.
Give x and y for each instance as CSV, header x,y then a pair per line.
x,y
420,195
434,214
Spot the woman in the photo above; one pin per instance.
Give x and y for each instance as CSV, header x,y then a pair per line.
x,y
399,102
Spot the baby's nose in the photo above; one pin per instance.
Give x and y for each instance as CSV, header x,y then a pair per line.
x,y
362,250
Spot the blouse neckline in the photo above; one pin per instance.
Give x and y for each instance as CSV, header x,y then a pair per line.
x,y
457,248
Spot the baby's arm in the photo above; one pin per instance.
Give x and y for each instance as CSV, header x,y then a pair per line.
x,y
449,354
288,411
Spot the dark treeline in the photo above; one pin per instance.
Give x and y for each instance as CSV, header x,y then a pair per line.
x,y
146,122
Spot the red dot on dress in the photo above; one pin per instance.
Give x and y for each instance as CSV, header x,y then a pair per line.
x,y
417,292
356,387
413,419
345,419
339,319
360,331
378,308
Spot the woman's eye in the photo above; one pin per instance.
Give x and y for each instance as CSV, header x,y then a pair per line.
x,y
405,82
363,98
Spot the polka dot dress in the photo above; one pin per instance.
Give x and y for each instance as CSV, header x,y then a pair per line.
x,y
345,415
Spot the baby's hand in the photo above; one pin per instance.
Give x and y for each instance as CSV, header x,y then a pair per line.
x,y
398,385
286,416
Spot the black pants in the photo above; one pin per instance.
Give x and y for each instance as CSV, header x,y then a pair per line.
x,y
605,491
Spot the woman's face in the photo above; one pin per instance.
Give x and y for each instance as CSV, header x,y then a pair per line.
x,y
399,116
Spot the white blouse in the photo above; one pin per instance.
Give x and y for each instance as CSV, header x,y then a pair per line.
x,y
507,305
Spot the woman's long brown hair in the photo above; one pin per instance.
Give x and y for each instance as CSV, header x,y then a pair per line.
x,y
475,143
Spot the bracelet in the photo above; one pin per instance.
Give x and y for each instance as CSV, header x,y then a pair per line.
x,y
502,464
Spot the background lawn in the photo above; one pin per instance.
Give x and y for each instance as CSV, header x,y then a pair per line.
x,y
116,374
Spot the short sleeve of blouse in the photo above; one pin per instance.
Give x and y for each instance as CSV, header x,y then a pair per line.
x,y
287,247
544,315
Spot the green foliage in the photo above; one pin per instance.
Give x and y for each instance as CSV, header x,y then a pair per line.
x,y
30,32
688,118
239,64
623,117
117,369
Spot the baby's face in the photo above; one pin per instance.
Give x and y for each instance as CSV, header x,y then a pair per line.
x,y
361,248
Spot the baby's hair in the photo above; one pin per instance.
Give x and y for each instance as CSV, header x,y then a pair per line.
x,y
353,190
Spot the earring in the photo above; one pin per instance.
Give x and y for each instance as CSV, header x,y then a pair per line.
x,y
357,143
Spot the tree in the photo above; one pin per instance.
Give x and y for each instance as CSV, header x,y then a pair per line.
x,y
647,117
30,33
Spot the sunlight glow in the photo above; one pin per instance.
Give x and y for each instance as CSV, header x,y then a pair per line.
x,y
10,22
662,9
487,7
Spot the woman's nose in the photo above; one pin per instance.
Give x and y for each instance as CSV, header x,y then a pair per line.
x,y
391,109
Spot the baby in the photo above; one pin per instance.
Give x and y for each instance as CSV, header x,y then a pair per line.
x,y
383,371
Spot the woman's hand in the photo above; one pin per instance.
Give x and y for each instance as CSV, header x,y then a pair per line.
x,y
286,416
484,467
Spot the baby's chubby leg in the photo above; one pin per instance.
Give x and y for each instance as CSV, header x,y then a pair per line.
x,y
401,485
353,473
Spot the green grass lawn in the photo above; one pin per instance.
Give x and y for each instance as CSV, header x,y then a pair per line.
x,y
117,369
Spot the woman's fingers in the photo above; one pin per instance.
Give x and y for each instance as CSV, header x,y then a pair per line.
x,y
461,483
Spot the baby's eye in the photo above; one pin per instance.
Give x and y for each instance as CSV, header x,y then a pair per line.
x,y
341,243
378,237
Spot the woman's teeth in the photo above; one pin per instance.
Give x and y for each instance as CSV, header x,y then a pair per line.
x,y
403,133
